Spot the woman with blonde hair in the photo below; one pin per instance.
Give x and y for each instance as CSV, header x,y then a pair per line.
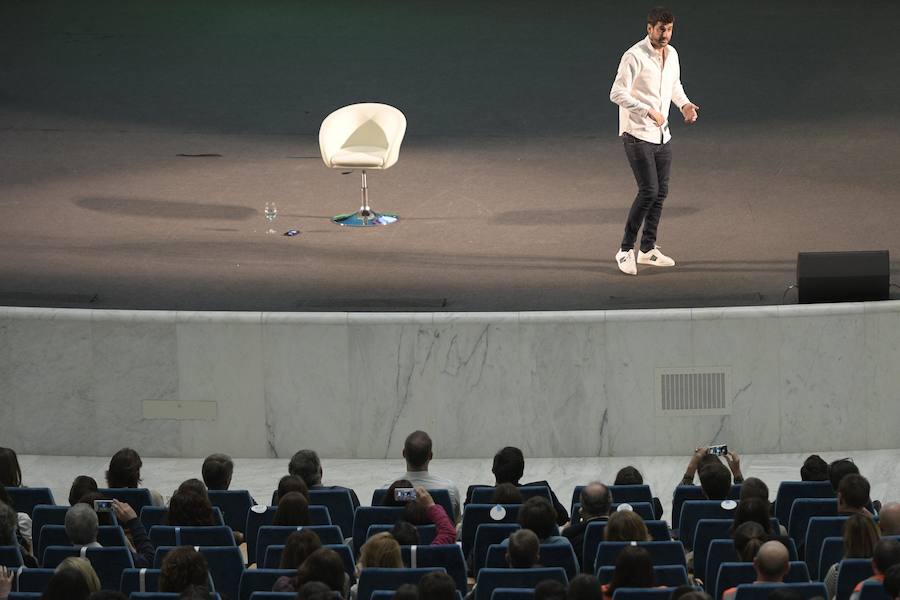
x,y
860,533
626,526
381,551
83,567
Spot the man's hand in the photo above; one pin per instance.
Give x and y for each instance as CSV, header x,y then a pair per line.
x,y
734,463
657,117
6,577
424,497
689,111
124,512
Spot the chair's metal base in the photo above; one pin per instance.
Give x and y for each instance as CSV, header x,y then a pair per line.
x,y
364,218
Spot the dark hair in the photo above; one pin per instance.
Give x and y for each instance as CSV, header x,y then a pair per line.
x,y
9,521
298,546
437,585
754,487
181,567
550,589
81,486
887,554
634,568
407,591
814,469
216,471
854,490
10,471
107,595
293,509
196,592
405,533
506,493
584,587
538,515
67,584
195,486
838,469
860,534
4,497
323,565
509,465
748,539
523,549
291,483
629,476
417,449
660,14
595,503
715,479
306,465
315,590
892,581
753,509
124,469
688,592
188,508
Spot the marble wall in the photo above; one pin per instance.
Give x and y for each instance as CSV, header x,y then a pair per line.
x,y
804,378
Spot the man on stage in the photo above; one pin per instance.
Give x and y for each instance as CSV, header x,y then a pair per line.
x,y
648,79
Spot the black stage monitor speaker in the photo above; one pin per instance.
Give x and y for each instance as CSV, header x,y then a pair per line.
x,y
843,276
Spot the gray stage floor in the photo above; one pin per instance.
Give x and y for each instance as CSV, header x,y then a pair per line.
x,y
512,186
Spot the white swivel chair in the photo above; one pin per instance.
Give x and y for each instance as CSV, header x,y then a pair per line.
x,y
362,136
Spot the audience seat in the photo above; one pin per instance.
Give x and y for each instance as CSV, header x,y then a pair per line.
x,y
139,580
832,552
426,532
55,535
214,535
260,580
273,596
665,575
340,506
851,572
25,596
803,510
234,505
45,514
389,595
817,530
162,596
486,535
761,591
11,557
366,516
620,494
511,594
261,516
649,593
449,556
24,499
138,498
684,493
643,509
107,562
226,563
873,590
372,579
482,494
477,514
440,496
552,555
662,553
273,534
272,559
733,574
490,579
788,491
33,580
151,516
693,511
722,551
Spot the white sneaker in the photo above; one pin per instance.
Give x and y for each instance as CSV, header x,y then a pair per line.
x,y
655,258
626,263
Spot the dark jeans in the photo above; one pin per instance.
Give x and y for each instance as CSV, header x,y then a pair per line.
x,y
651,164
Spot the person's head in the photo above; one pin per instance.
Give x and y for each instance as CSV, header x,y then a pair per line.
x,y
407,591
748,538
595,500
853,492
437,586
626,526
509,465
103,517
715,480
4,497
297,547
634,568
381,550
660,23
886,555
892,582
771,562
187,508
10,471
550,589
538,515
524,548
83,567
81,486
584,587
315,590
838,469
323,565
405,533
81,524
181,567
9,520
506,493
293,509
753,509
306,465
814,469
292,483
629,476
417,451
66,584
196,592
754,487
889,519
124,469
860,533
194,486
688,592
108,595
216,471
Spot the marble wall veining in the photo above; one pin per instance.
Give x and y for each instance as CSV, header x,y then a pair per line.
x,y
352,385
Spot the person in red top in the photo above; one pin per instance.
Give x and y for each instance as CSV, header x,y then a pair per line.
x,y
421,511
771,565
887,554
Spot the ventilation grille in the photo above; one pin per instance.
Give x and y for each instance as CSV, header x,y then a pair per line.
x,y
693,391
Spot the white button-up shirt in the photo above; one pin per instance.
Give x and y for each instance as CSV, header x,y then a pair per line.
x,y
643,82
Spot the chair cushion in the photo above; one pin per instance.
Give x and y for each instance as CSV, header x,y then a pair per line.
x,y
359,156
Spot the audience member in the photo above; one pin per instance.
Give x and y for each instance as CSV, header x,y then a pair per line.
x,y
189,509
297,548
860,533
634,568
506,493
892,582
196,592
715,479
885,556
584,587
753,509
754,487
437,586
110,595
631,476
8,533
688,592
626,526
889,519
417,450
183,566
523,549
315,590
538,515
288,484
748,539
82,524
83,567
771,565
550,589
67,584
216,471
194,486
853,494
380,550
814,469
838,469
326,566
306,465
81,486
293,509
421,511
10,471
105,518
125,472
595,504
405,533
407,591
